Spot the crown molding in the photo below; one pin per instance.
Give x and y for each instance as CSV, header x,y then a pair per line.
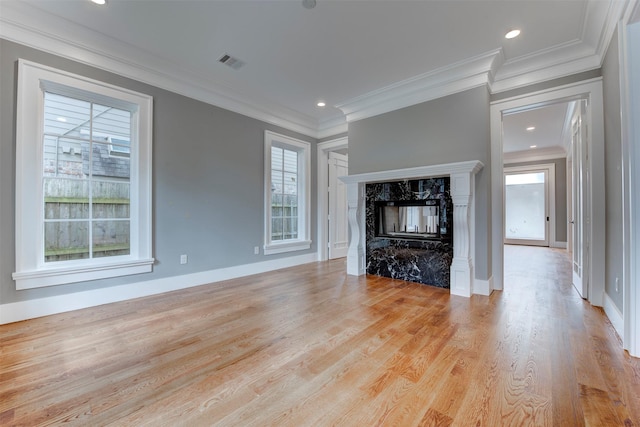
x,y
435,84
602,18
548,153
62,38
30,26
583,54
332,127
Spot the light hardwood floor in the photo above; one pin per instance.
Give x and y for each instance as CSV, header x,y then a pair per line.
x,y
310,346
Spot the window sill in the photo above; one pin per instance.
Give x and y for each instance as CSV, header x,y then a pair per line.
x,y
278,248
60,276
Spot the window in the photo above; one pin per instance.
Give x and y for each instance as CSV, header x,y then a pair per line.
x,y
287,198
83,179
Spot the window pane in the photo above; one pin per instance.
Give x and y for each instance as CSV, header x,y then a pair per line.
x,y
63,157
291,161
110,122
276,229
276,200
110,199
65,116
66,198
105,165
119,147
290,200
291,182
110,238
66,240
525,216
277,183
276,158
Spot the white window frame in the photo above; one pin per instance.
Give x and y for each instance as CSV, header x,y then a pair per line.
x,y
31,270
303,149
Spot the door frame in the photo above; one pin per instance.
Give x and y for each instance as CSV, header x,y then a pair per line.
x,y
591,90
336,211
550,199
324,148
630,107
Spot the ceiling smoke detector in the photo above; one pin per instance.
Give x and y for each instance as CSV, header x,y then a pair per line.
x,y
230,61
309,4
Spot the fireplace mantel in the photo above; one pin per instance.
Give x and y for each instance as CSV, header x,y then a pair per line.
x,y
462,175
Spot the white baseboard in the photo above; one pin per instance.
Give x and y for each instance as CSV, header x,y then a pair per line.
x,y
614,315
483,287
17,311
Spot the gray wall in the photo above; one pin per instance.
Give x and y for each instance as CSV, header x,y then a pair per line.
x,y
613,172
449,129
207,181
561,193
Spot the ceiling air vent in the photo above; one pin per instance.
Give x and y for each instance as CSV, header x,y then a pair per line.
x,y
232,62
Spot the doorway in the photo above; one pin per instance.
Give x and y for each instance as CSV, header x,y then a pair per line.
x,y
526,206
339,146
337,219
594,213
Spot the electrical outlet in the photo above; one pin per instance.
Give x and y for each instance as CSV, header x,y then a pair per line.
x,y
256,250
617,281
183,259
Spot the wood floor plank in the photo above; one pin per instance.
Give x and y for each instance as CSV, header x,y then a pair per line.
x,y
311,346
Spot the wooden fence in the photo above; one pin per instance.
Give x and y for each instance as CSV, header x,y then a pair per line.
x,y
71,221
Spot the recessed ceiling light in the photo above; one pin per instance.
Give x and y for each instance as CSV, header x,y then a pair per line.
x,y
100,2
531,128
61,119
512,34
533,146
321,104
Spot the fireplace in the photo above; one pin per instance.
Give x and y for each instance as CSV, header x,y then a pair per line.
x,y
408,219
408,230
458,235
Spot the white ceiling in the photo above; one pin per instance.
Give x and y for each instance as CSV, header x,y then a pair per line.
x,y
362,57
549,123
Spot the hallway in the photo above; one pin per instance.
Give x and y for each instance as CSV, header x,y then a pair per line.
x,y
591,377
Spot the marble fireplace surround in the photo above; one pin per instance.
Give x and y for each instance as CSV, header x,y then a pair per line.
x,y
462,176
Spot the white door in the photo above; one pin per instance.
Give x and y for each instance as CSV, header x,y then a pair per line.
x,y
338,224
580,182
526,206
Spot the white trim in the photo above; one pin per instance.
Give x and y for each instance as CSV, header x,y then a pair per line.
x,y
94,271
592,91
17,311
289,246
28,25
33,27
462,176
472,166
630,107
558,245
550,153
30,269
614,315
303,149
332,127
483,287
323,149
458,77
